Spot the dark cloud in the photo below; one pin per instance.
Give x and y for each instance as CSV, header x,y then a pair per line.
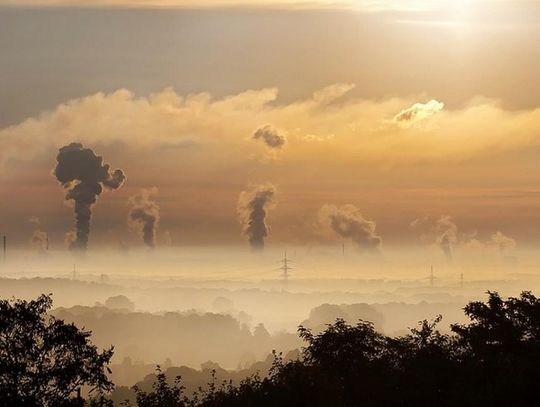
x,y
347,222
84,175
252,210
144,216
270,136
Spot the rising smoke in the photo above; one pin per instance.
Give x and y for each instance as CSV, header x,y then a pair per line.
x,y
144,216
84,175
442,231
501,242
252,211
347,222
40,238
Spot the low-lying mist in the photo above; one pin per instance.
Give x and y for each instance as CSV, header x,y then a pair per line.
x,y
230,308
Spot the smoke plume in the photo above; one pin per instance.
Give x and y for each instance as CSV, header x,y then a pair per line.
x,y
40,239
270,136
502,242
252,210
442,231
144,216
447,234
83,174
347,222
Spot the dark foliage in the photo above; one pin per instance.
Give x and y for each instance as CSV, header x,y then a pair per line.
x,y
494,360
162,395
44,361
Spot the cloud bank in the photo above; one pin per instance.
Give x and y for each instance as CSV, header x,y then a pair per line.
x,y
320,126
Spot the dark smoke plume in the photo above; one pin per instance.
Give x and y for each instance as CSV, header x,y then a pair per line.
x,y
144,216
252,211
84,175
270,136
347,222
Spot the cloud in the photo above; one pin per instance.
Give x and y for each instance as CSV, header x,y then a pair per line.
x,y
270,136
348,222
356,130
418,112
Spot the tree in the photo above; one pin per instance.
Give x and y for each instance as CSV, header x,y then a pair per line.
x,y
43,361
162,394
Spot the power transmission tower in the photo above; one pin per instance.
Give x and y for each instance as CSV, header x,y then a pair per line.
x,y
285,268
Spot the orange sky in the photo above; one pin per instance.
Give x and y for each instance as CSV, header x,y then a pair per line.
x,y
403,114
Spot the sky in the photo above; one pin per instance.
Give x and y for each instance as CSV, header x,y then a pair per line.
x,y
412,120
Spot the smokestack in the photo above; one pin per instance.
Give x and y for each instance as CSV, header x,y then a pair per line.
x,y
252,211
83,174
5,248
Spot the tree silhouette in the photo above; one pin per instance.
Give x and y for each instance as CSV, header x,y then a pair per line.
x,y
162,394
491,361
44,361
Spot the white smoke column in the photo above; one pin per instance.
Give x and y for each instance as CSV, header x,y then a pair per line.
x,y
144,216
348,222
447,234
252,211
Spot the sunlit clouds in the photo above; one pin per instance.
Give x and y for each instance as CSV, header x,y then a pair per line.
x,y
383,156
418,112
355,128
